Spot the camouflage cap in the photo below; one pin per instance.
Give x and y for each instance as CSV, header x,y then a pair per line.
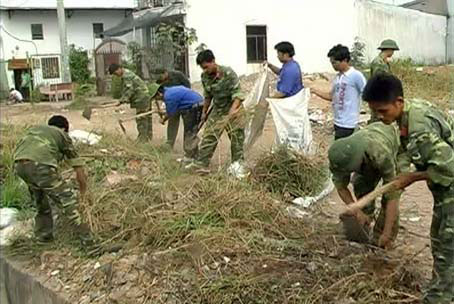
x,y
153,89
346,154
388,44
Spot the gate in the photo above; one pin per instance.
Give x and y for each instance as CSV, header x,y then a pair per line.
x,y
108,52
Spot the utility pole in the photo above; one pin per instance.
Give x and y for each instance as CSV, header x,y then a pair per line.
x,y
66,74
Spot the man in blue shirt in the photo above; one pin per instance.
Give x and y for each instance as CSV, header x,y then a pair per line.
x,y
187,103
290,79
169,78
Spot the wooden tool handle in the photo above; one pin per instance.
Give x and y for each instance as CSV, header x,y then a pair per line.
x,y
138,116
370,197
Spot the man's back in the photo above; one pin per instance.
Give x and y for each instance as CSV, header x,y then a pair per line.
x,y
46,145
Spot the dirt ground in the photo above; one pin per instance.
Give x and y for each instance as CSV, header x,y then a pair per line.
x,y
416,203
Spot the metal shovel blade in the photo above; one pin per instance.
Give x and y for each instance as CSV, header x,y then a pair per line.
x,y
87,113
353,230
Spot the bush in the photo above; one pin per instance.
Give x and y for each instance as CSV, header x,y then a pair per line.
x,y
78,64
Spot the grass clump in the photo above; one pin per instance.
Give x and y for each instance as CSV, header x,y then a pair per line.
x,y
285,171
435,84
13,191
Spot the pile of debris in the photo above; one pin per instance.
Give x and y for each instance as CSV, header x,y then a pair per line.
x,y
285,171
210,239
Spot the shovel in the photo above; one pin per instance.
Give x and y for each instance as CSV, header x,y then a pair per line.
x,y
89,109
121,121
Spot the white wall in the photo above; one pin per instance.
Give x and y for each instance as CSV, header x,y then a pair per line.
x,y
79,31
419,35
313,26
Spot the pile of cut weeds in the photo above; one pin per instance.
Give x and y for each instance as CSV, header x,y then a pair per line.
x,y
210,239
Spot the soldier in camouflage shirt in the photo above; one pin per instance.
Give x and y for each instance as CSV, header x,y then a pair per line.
x,y
135,92
381,64
36,161
427,139
221,88
371,154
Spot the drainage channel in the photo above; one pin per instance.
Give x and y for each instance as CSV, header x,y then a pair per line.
x,y
18,287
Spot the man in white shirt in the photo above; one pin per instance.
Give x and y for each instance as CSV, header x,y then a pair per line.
x,y
345,93
15,96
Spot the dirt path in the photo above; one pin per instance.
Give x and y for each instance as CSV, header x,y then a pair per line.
x,y
416,204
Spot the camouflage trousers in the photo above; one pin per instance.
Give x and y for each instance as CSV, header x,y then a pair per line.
x,y
441,288
144,124
45,184
362,185
216,124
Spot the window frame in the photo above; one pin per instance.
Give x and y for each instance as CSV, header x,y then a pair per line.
x,y
259,38
36,36
97,35
46,74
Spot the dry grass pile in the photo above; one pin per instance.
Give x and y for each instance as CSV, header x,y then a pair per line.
x,y
284,171
211,239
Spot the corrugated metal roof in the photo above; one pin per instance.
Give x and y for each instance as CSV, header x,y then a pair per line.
x,y
438,7
69,4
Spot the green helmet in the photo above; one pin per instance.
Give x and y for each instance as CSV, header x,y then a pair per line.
x,y
153,89
388,44
346,154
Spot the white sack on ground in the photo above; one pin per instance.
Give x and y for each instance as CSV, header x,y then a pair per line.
x,y
84,137
291,121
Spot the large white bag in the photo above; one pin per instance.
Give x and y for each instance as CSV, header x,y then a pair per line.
x,y
291,121
257,107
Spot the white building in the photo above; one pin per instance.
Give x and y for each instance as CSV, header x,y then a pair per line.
x,y
241,33
30,28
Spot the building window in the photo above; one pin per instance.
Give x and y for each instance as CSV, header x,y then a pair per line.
x,y
37,32
98,29
50,67
256,43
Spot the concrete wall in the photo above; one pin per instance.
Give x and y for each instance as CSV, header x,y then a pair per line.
x,y
18,287
79,31
313,26
419,35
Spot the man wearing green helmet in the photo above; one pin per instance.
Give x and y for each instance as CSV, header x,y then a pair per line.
x,y
371,154
381,63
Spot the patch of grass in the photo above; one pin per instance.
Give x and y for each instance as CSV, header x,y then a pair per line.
x,y
13,191
210,239
284,171
435,84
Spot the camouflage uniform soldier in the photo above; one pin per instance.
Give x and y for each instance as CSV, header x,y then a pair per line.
x,y
36,161
222,88
371,154
380,64
427,137
135,92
